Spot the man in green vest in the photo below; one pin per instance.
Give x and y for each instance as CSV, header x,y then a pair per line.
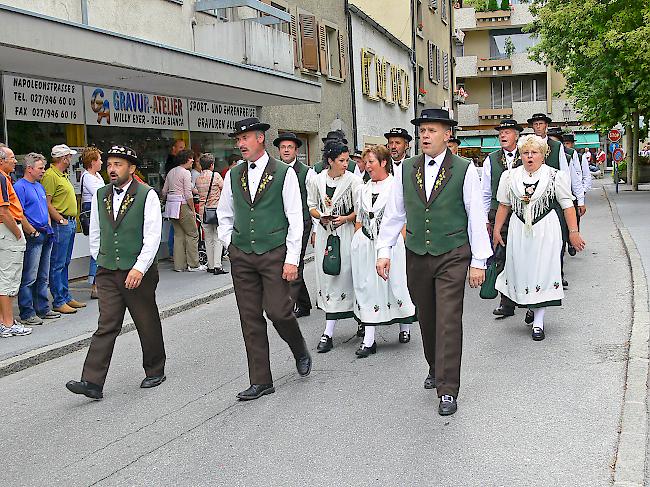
x,y
493,167
556,158
439,200
125,227
261,222
288,144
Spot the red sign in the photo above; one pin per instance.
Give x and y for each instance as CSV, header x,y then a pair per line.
x,y
618,155
614,135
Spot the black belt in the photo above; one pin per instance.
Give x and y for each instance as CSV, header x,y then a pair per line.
x,y
69,217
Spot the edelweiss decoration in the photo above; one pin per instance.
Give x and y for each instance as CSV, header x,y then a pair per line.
x,y
441,177
418,178
267,179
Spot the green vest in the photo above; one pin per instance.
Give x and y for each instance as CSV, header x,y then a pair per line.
x,y
120,241
438,225
319,166
553,159
301,172
260,225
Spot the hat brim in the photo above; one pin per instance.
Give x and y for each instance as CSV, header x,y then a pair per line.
x,y
406,137
447,121
133,160
454,140
251,128
296,140
543,119
326,140
518,128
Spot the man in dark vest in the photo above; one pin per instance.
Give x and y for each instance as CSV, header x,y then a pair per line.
x,y
556,157
439,200
453,144
261,223
288,144
494,165
398,142
125,226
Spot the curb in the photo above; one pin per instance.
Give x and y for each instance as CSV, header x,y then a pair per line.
x,y
632,447
59,349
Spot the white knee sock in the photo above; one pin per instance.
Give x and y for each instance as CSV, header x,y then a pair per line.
x,y
369,337
403,327
329,328
538,322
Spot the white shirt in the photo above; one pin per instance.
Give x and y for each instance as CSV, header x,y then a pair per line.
x,y
586,175
397,168
151,230
486,179
586,157
395,213
90,183
577,179
290,198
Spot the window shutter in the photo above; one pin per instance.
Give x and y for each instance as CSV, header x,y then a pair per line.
x,y
322,50
445,71
433,4
443,10
365,74
343,57
431,50
437,49
294,35
309,41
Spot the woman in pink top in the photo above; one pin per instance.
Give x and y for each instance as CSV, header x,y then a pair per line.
x,y
210,182
179,208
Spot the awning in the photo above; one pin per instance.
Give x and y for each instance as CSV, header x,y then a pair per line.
x,y
587,139
470,142
490,144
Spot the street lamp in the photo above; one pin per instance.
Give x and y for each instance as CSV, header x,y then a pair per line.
x,y
566,113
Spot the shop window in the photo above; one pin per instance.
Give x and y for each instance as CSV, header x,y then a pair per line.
x,y
24,137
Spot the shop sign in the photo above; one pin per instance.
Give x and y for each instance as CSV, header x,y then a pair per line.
x,y
39,100
208,116
123,108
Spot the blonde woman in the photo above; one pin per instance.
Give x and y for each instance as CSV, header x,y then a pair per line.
x,y
535,193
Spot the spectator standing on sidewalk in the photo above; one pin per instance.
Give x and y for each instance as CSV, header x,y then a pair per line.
x,y
33,299
179,208
209,185
170,163
62,206
91,181
12,247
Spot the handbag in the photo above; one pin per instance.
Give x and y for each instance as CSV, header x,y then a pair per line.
x,y
84,216
210,214
488,289
332,257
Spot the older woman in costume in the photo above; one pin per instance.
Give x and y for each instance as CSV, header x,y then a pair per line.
x,y
331,202
379,301
535,193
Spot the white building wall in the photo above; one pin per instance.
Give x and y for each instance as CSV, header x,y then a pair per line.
x,y
374,118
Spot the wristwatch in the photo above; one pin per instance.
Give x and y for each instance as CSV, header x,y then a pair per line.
x,y
61,221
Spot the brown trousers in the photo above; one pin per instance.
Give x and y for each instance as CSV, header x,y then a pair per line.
x,y
114,299
299,292
186,239
437,287
259,287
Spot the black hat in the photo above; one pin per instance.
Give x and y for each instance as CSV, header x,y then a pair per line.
x,y
287,136
540,116
509,123
335,135
124,152
356,153
555,132
570,137
434,115
399,132
454,140
249,124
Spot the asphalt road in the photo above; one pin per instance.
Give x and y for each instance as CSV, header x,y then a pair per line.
x,y
530,414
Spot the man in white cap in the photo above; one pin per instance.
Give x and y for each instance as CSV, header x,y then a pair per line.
x,y
62,206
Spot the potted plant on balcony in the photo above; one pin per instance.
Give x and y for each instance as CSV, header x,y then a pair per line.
x,y
421,94
460,95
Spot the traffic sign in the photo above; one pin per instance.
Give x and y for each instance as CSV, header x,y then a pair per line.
x,y
618,155
613,146
614,135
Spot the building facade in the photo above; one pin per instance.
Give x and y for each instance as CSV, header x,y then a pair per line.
x,y
97,72
494,71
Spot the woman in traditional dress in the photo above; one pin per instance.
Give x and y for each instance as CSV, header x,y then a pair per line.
x,y
379,302
535,193
331,202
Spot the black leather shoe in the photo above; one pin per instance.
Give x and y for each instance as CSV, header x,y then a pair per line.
x,y
361,331
88,389
303,365
325,344
364,351
255,392
504,311
572,251
430,382
538,334
565,283
219,270
300,312
404,336
153,381
447,406
530,317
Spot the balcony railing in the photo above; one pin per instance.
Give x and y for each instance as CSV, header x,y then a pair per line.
x,y
494,113
494,67
497,18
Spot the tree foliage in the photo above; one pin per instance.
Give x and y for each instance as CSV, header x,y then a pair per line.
x,y
493,5
505,5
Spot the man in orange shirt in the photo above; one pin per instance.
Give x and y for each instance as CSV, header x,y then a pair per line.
x,y
12,247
